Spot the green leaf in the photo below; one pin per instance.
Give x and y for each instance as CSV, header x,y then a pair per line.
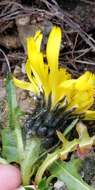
x,y
86,142
43,185
14,137
9,147
11,99
82,144
68,173
14,147
28,188
59,153
32,152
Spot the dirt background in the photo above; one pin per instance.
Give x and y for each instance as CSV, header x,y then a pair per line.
x,y
20,19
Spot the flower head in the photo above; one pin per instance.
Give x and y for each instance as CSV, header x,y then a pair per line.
x,y
46,76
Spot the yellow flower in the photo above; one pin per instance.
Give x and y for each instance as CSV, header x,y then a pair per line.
x,y
46,76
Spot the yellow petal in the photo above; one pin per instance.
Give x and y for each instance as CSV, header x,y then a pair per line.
x,y
34,44
53,47
85,81
40,73
24,85
89,115
69,84
63,75
31,47
52,54
66,88
30,76
83,100
38,39
36,64
37,67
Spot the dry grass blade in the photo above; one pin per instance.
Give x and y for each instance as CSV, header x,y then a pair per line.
x,y
7,61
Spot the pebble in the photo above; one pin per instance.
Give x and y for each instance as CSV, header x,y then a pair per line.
x,y
59,185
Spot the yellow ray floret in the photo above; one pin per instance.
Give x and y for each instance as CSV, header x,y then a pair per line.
x,y
45,75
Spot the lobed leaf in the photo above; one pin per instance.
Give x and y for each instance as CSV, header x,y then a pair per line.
x,y
9,146
68,173
84,142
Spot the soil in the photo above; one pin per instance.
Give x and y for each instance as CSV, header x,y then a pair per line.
x,y
20,19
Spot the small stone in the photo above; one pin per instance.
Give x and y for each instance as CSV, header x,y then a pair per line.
x,y
17,71
24,20
23,68
59,185
23,95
